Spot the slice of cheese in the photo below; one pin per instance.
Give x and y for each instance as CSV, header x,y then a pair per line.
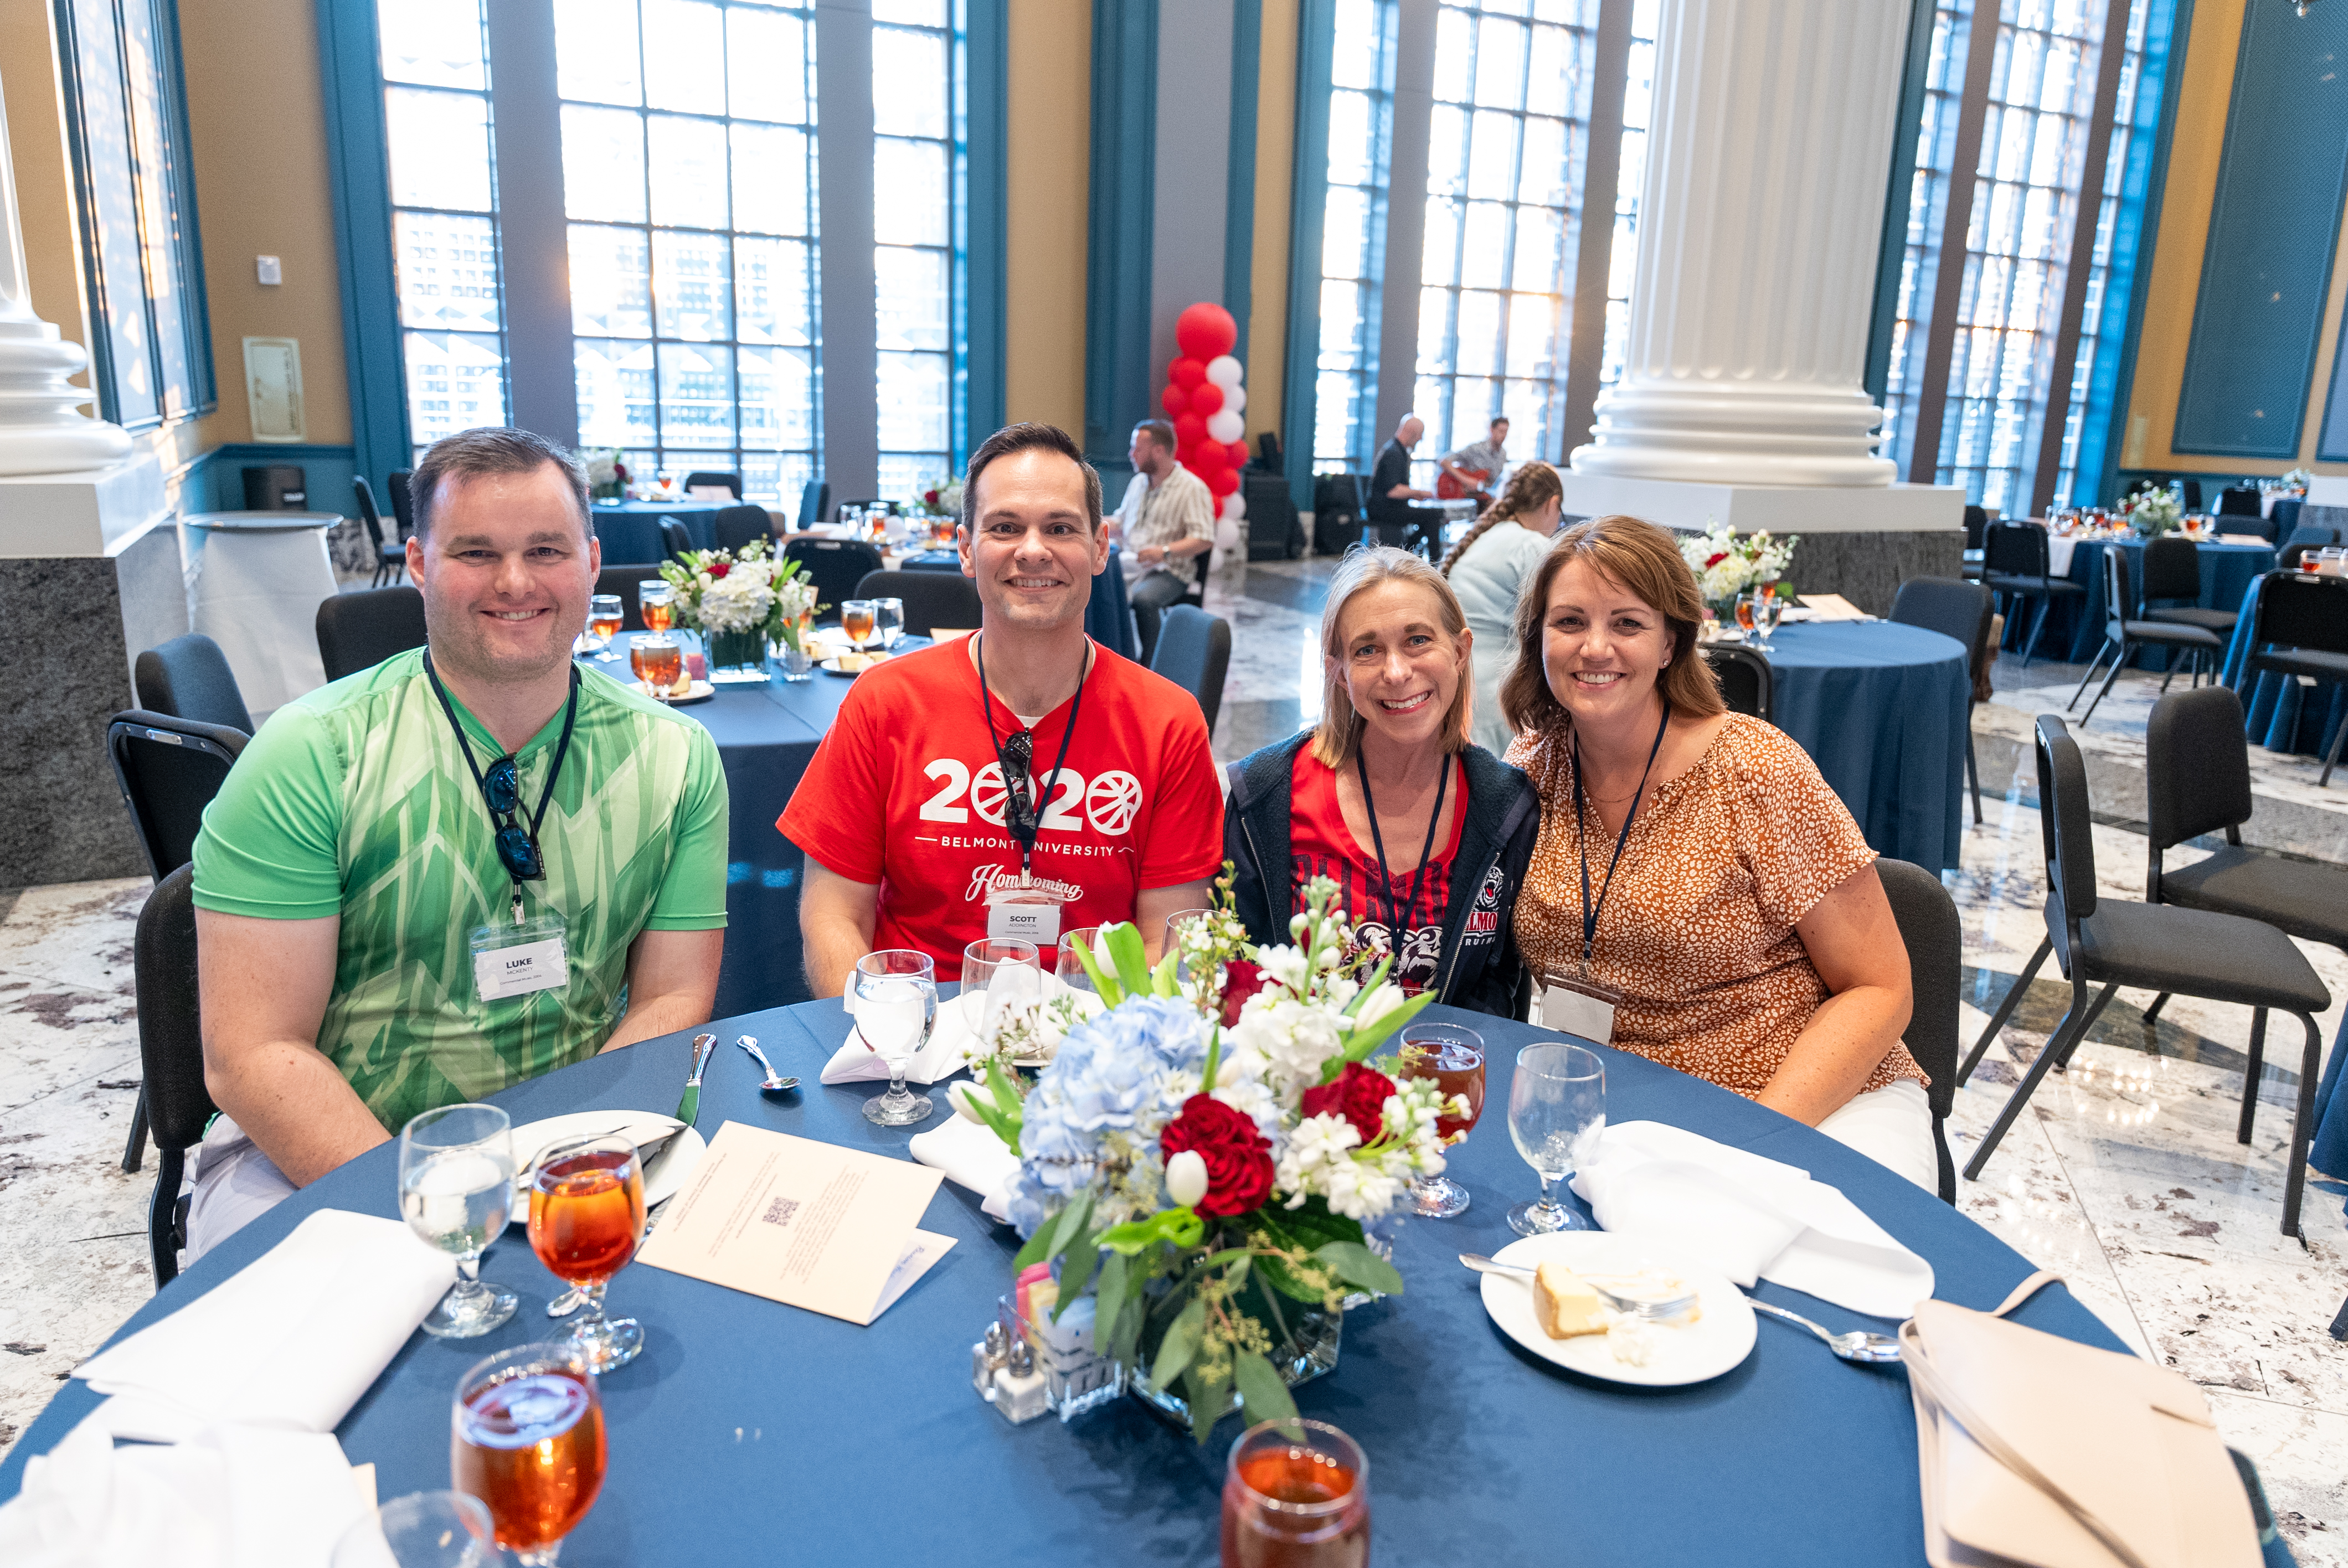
x,y
1564,1305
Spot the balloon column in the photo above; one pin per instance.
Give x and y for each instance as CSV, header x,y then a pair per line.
x,y
1204,397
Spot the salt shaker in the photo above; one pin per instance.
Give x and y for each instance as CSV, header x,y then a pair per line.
x,y
986,1358
1018,1385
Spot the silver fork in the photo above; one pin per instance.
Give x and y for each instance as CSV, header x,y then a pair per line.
x,y
1630,1306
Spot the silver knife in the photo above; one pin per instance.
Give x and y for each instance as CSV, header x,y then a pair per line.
x,y
690,1106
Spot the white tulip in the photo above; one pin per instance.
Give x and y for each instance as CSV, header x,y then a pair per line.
x,y
958,1094
1186,1177
1225,371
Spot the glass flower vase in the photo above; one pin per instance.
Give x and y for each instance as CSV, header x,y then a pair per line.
x,y
1314,1338
736,657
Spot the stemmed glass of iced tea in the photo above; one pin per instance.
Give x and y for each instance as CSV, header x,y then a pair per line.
x,y
527,1439
1454,1057
1296,1494
857,618
586,1217
656,602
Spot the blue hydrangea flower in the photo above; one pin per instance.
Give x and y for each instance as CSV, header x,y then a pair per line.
x,y
1108,1075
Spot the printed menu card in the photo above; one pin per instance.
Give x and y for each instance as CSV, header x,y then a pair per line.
x,y
806,1224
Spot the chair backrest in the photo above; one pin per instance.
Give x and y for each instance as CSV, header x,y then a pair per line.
x,y
171,1022
1268,453
2285,515
2292,558
1194,652
1976,527
737,526
2064,822
622,582
2310,534
931,599
1935,939
359,631
2196,767
188,678
732,482
2172,569
168,770
675,537
2301,609
2015,549
2239,501
403,504
1745,684
2119,606
364,494
815,503
1951,607
2192,497
835,565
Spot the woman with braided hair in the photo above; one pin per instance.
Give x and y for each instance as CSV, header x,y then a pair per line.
x,y
1488,568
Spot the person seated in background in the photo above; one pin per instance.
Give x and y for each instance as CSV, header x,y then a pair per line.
x,y
473,863
1165,522
1020,782
1391,494
1476,466
1488,568
1426,834
1736,929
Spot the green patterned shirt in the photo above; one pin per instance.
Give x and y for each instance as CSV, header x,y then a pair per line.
x,y
356,801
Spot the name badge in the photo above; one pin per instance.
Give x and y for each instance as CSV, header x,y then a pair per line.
x,y
1023,915
511,960
1582,1008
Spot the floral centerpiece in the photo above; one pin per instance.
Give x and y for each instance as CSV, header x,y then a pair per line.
x,y
607,475
1201,1153
1727,563
2152,512
740,600
943,498
2296,480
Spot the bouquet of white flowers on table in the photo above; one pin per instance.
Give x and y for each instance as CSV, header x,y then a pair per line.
x,y
607,474
2296,480
742,592
2152,512
943,498
1727,563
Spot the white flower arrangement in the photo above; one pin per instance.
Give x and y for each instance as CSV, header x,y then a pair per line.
x,y
744,591
1725,563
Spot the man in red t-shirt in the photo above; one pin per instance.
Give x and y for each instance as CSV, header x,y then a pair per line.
x,y
935,790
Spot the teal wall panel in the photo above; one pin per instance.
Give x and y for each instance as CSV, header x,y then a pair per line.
x,y
1117,242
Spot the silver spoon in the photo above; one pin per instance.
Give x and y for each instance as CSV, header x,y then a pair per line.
x,y
1632,1306
1868,1350
775,1084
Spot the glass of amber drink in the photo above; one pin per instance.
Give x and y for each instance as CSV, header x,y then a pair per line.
x,y
857,617
656,601
603,619
658,661
586,1217
527,1439
1296,1494
1454,1057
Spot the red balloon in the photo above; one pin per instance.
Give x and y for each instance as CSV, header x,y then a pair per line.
x,y
1188,431
1206,398
1222,481
1237,449
1205,331
1187,374
1174,400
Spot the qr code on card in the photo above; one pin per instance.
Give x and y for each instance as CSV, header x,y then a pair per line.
x,y
779,1212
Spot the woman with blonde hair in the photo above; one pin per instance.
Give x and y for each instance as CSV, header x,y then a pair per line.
x,y
1698,895
1425,832
1488,568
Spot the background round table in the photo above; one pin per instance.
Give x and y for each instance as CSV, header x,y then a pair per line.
x,y
630,529
260,579
750,1432
1882,708
2075,628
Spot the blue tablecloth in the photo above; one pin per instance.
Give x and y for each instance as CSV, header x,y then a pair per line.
x,y
1882,708
2279,712
752,1433
1108,617
2075,628
630,529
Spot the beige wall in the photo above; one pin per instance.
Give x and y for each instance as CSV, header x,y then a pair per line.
x,y
1275,169
1050,120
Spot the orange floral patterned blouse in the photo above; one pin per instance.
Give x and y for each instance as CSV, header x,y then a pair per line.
x,y
1699,930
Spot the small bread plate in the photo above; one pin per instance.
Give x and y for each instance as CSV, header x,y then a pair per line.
x,y
668,1170
701,691
853,664
1720,1338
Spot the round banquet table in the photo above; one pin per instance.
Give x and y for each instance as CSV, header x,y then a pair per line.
x,y
2075,628
1882,708
260,579
630,529
751,1432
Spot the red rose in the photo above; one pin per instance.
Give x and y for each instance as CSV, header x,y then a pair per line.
x,y
718,568
1715,561
1239,1159
1359,1096
1241,980
620,470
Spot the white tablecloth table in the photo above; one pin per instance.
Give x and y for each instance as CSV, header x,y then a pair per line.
x,y
260,579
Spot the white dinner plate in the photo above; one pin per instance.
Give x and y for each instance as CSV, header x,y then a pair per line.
x,y
1684,1353
670,1169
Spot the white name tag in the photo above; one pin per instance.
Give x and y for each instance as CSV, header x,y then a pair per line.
x,y
515,960
1570,1009
1024,922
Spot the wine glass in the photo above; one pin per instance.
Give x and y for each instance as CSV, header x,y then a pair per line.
x,y
1557,1109
656,602
604,616
422,1530
527,1439
995,973
1765,611
888,618
856,618
1744,613
1171,945
896,994
456,1189
586,1217
1454,1057
1297,1491
658,661
1070,968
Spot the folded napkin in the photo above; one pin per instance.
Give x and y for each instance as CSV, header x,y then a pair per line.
x,y
1748,1217
230,1498
972,1156
290,1342
857,1062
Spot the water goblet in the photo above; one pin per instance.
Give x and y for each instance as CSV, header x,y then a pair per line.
x,y
1453,1057
896,992
656,603
1765,617
889,620
997,972
1170,945
856,618
1070,968
586,1218
526,1438
1296,1493
422,1530
456,1189
1745,614
604,616
1557,1109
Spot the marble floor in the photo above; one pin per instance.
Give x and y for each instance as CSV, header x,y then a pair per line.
x,y
2123,1174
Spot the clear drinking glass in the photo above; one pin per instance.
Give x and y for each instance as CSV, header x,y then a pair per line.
x,y
1557,1109
1454,1057
896,994
888,617
656,602
526,1438
422,1530
1071,969
586,1218
456,1191
1744,612
1767,609
995,973
658,659
604,616
1296,1494
1172,941
856,616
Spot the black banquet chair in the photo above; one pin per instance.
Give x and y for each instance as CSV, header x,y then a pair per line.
x,y
835,567
737,526
2300,628
170,1058
359,631
1745,683
403,504
931,599
2172,569
2240,501
1194,652
390,559
676,538
2015,566
188,678
2123,635
731,483
1934,938
2159,947
1976,539
1961,610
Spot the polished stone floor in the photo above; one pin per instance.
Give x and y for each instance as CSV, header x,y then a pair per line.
x,y
2123,1174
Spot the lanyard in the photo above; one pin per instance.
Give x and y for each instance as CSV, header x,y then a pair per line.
x,y
1589,910
504,820
1418,878
1019,814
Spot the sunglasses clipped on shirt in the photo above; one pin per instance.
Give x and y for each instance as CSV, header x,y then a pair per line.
x,y
517,850
1019,805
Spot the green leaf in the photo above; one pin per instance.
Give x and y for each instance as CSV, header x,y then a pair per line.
x,y
1069,1225
1161,979
1082,1259
1123,941
1276,1273
1122,1339
1110,992
1266,1398
1181,1343
1214,1056
1108,1295
1207,1402
1032,1252
1367,1037
1377,978
1357,1264
1313,1222
1177,1227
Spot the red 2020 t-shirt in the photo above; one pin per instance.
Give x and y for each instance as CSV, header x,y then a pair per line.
x,y
1320,845
906,792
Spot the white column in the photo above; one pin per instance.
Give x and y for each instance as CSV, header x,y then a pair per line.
x,y
1759,224
42,429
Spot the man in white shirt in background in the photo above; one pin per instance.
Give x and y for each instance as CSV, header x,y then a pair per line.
x,y
1165,522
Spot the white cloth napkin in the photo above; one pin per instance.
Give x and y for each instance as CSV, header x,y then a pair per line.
x,y
972,1156
290,1342
230,1498
1748,1217
857,1062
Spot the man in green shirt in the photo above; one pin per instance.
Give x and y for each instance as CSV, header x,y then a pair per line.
x,y
475,862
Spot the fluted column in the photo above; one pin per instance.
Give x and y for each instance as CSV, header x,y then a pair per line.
x,y
1759,224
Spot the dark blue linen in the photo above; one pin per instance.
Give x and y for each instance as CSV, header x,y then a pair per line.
x,y
630,529
749,1431
1882,708
2075,628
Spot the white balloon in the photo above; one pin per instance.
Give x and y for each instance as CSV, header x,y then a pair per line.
x,y
1235,397
1235,506
1225,426
1224,371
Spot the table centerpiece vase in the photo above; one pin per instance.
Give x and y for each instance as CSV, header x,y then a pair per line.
x,y
738,601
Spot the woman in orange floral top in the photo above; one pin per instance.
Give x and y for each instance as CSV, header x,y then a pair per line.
x,y
1742,932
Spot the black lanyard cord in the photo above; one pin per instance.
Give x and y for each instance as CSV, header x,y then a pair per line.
x,y
1028,816
1418,878
465,744
1589,910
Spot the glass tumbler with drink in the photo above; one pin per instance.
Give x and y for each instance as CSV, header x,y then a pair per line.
x,y
456,1190
856,618
1296,1494
656,603
1177,924
1745,614
658,661
586,1217
1557,1109
527,1439
604,615
896,992
1454,1057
